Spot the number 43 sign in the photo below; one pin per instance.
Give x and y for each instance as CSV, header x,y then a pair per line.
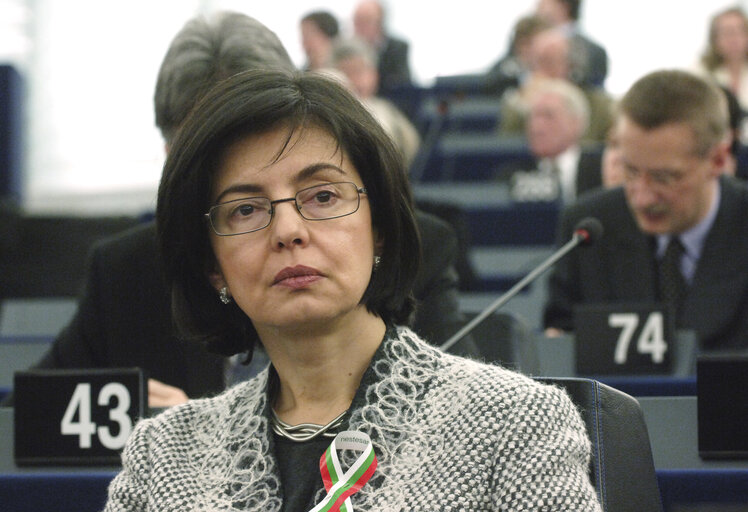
x,y
623,339
75,416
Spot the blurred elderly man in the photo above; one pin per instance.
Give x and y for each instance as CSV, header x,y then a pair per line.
x,y
557,120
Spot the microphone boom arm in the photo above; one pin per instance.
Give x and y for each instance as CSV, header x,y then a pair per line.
x,y
576,239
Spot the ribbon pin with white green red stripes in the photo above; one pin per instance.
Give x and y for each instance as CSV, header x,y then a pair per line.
x,y
340,486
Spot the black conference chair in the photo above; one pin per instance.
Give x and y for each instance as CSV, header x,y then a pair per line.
x,y
622,468
505,339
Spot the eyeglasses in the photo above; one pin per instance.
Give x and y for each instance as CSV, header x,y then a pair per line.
x,y
660,178
321,202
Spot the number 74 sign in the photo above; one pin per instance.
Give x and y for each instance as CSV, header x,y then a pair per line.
x,y
650,339
620,339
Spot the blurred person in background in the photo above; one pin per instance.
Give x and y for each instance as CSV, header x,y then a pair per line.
x,y
557,120
369,24
550,58
356,60
613,172
589,59
514,67
726,57
319,30
735,164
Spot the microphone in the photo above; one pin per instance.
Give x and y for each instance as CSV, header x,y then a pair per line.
x,y
586,232
430,140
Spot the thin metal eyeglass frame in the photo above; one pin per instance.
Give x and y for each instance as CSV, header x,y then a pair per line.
x,y
359,191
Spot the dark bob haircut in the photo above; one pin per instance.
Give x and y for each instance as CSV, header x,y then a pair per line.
x,y
326,22
253,103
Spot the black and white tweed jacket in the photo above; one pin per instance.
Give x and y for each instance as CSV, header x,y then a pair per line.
x,y
450,434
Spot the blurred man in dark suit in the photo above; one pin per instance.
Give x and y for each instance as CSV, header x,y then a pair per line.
x,y
392,53
677,230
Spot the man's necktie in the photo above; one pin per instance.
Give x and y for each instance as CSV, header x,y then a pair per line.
x,y
672,284
554,173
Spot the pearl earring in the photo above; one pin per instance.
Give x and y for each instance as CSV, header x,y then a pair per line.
x,y
377,261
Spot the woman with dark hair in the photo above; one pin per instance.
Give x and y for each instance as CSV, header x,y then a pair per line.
x,y
319,30
285,219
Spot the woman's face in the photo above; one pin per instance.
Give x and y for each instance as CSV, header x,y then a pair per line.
x,y
731,37
316,44
295,273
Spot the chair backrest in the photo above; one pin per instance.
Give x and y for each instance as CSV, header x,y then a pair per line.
x,y
622,468
46,254
504,338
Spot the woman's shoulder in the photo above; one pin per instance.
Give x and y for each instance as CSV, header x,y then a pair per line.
x,y
492,381
508,387
512,398
445,386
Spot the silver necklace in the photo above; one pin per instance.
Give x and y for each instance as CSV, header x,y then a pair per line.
x,y
304,431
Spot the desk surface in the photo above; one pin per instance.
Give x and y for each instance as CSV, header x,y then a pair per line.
x,y
686,481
